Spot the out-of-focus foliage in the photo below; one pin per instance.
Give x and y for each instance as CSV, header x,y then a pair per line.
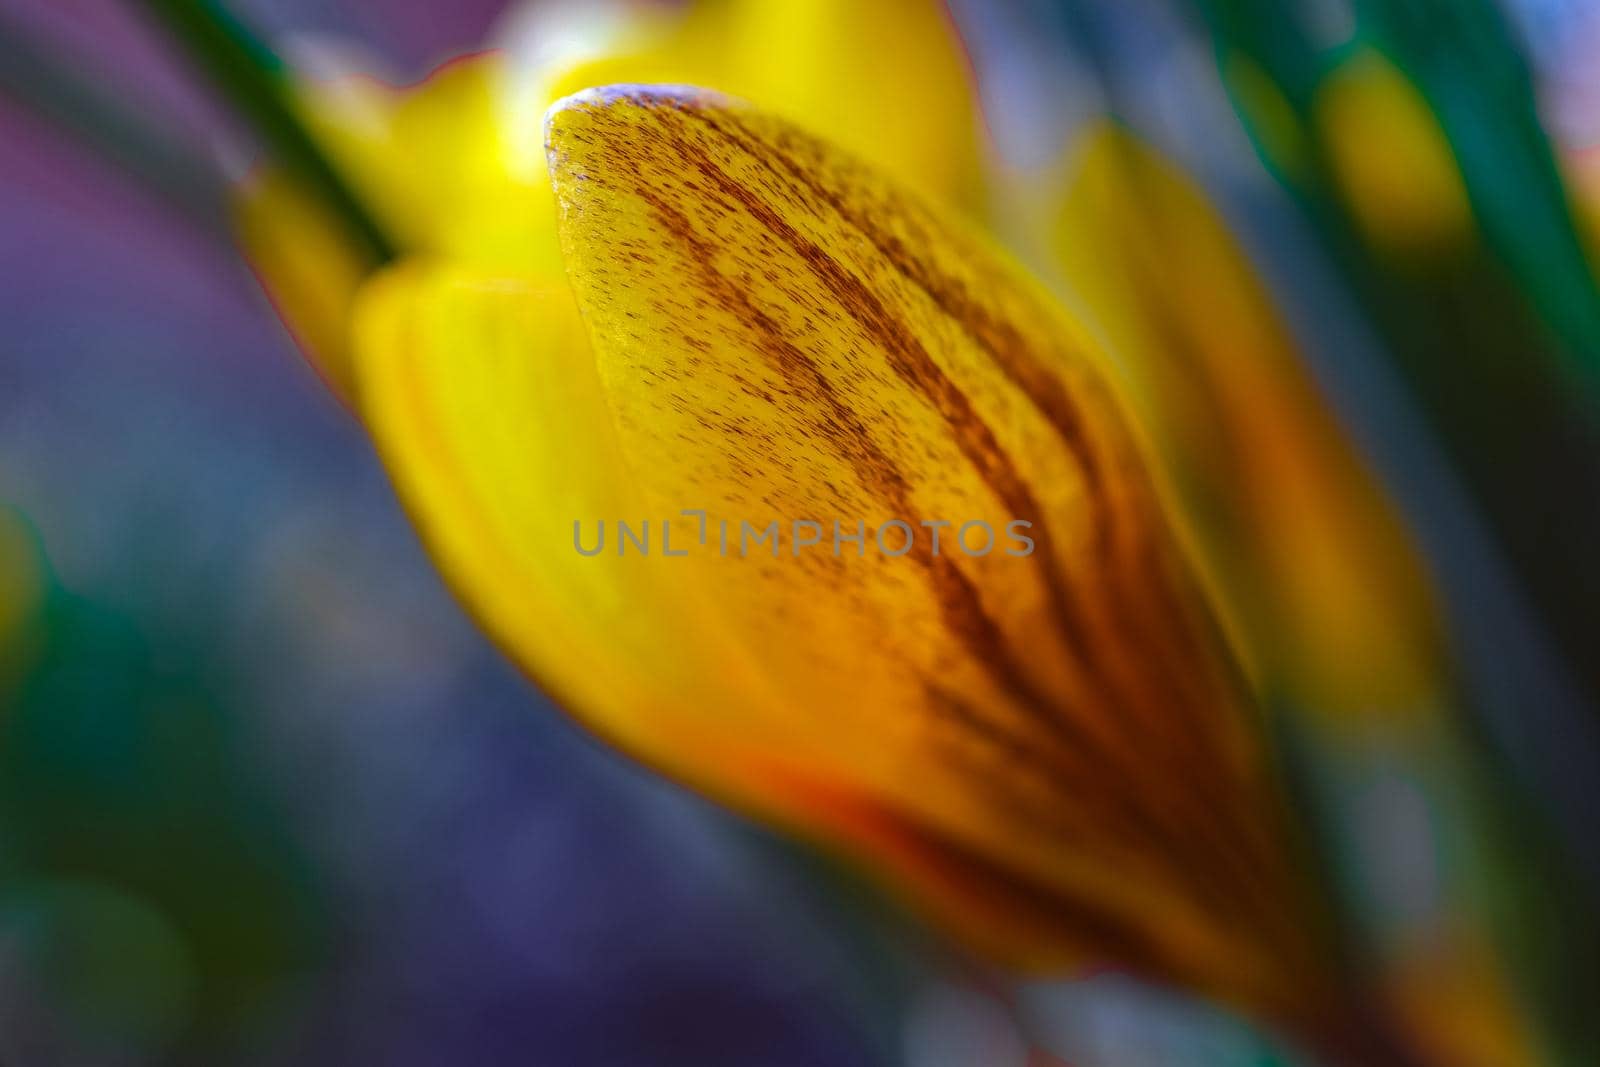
x,y
146,877
1415,149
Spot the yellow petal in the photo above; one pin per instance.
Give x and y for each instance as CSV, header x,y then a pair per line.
x,y
434,163
306,266
1318,570
453,144
445,165
1310,554
481,394
886,80
1048,750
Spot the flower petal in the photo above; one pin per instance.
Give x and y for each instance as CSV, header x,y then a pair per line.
x,y
782,335
1309,553
481,394
307,268
435,163
887,80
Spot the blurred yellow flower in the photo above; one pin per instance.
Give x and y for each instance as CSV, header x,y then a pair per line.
x,y
1391,159
1050,751
705,315
456,165
1319,577
1331,597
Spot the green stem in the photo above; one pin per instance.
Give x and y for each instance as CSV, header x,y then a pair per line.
x,y
252,78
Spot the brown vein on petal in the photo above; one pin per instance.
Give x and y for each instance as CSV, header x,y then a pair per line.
x,y
1122,943
1062,773
1116,826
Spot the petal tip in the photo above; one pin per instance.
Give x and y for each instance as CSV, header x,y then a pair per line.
x,y
559,117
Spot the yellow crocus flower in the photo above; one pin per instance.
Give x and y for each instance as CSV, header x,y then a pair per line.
x,y
890,76
1049,750
702,317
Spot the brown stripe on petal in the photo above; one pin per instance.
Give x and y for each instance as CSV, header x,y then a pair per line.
x,y
1137,944
1187,855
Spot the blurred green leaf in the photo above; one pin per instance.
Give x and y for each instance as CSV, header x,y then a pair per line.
x,y
134,817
